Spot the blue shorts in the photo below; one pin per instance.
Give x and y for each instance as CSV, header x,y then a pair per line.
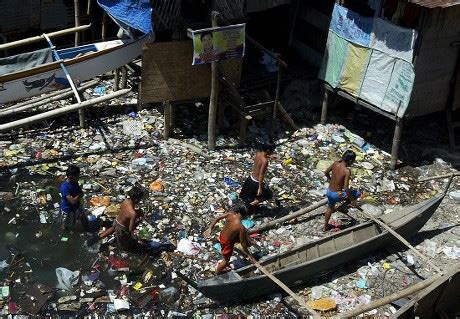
x,y
333,197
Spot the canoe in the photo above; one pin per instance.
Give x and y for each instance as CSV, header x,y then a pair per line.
x,y
301,264
439,300
33,73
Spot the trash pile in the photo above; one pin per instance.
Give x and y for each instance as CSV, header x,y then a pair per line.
x,y
45,270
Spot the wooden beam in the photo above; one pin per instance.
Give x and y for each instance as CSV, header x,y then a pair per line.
x,y
41,37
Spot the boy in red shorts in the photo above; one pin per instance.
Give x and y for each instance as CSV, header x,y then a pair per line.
x,y
233,232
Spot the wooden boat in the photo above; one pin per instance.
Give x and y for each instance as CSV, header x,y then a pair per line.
x,y
38,72
299,265
439,300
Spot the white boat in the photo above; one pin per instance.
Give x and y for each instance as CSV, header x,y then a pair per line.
x,y
29,74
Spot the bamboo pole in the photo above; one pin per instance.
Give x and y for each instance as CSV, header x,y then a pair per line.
x,y
325,103
293,215
61,111
88,8
41,37
214,96
401,239
76,4
54,96
398,295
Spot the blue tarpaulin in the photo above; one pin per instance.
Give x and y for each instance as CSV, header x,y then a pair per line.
x,y
135,13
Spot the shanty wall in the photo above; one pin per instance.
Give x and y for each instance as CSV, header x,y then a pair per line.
x,y
311,28
18,16
435,61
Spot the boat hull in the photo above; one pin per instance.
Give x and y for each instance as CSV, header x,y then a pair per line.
x,y
231,287
50,77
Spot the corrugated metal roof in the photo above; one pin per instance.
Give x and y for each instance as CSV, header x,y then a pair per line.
x,y
436,3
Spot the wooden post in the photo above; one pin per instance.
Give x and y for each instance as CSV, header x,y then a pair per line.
x,y
124,77
275,104
139,97
104,26
77,21
325,103
116,79
396,142
81,112
167,119
450,129
214,96
88,9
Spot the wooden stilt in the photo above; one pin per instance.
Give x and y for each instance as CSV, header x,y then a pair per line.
x,y
104,26
88,9
325,103
450,129
77,21
140,106
124,77
214,96
116,79
275,105
396,142
167,119
81,112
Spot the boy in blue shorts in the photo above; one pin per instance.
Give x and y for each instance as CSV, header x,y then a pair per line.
x,y
71,194
339,189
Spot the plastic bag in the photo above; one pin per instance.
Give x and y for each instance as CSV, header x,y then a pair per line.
x,y
66,278
188,247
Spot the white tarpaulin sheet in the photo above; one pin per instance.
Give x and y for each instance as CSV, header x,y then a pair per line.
x,y
377,78
393,40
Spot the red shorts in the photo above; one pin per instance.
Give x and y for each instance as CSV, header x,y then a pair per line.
x,y
226,247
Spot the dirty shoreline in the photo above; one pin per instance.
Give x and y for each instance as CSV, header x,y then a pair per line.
x,y
188,187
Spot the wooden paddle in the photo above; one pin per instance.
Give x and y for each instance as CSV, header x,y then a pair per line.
x,y
280,284
401,239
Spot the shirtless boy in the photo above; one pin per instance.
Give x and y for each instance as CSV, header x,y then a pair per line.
x,y
127,221
233,232
339,188
254,190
